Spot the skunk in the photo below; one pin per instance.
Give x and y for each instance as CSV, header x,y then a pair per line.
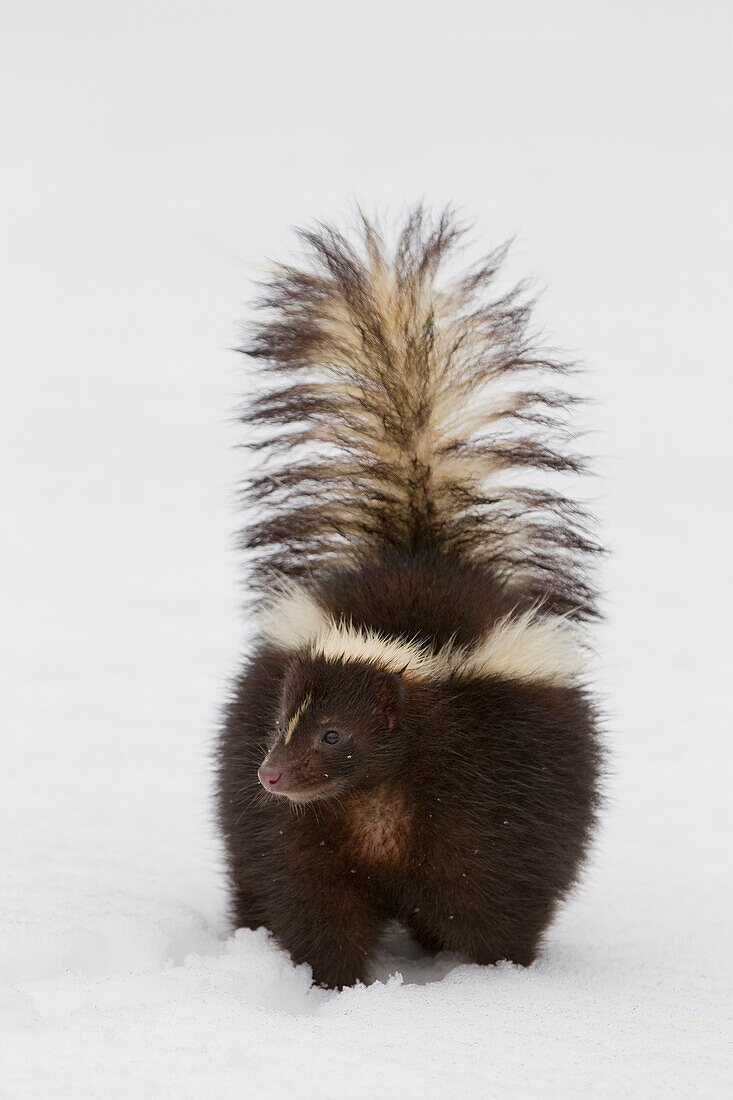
x,y
412,737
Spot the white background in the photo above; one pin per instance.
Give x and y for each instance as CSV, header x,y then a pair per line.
x,y
152,155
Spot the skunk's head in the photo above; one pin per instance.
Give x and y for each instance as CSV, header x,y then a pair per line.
x,y
337,730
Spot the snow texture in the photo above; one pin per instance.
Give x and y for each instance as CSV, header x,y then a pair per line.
x,y
149,150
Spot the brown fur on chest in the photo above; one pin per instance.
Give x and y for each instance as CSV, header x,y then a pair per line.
x,y
379,827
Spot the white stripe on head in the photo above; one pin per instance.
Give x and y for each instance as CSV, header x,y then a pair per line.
x,y
292,724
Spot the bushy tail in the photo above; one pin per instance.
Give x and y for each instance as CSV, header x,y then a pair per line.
x,y
397,421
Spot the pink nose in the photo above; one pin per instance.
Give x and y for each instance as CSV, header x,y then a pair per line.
x,y
269,777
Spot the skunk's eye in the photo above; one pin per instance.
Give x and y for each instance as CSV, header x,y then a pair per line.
x,y
331,737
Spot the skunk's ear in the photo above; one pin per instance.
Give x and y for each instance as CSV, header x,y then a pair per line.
x,y
390,696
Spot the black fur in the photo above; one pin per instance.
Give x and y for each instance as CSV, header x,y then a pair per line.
x,y
461,807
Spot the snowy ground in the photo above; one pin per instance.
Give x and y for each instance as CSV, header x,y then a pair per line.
x,y
149,149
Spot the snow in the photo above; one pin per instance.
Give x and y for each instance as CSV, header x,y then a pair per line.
x,y
153,154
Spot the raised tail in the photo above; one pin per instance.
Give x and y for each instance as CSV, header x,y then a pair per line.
x,y
398,421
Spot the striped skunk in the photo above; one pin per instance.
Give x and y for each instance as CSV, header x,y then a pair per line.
x,y
412,737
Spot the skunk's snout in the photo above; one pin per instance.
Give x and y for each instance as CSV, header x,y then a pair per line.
x,y
269,776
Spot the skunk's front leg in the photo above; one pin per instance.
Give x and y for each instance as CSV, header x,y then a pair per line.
x,y
328,922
